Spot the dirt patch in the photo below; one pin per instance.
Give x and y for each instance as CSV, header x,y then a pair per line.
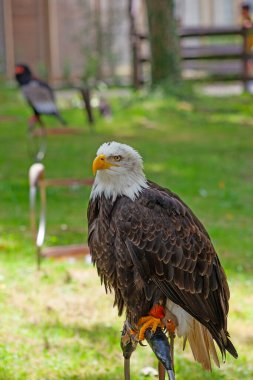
x,y
9,118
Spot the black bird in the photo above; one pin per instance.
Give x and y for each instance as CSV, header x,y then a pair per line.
x,y
38,94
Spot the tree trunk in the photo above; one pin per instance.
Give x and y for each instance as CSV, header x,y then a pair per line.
x,y
165,62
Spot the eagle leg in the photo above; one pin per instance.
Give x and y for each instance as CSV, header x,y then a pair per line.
x,y
159,344
127,369
171,327
161,371
128,344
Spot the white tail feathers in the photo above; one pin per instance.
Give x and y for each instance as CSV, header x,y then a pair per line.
x,y
200,339
202,345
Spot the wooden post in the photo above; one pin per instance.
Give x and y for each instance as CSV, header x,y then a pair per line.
x,y
245,59
99,38
9,40
86,98
53,57
136,80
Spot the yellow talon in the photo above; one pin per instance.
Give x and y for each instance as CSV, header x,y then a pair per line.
x,y
147,322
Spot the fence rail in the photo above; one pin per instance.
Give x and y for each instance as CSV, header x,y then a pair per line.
x,y
240,51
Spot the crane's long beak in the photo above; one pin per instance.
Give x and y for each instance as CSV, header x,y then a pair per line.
x,y
100,163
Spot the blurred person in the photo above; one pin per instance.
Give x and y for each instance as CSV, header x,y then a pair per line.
x,y
247,23
246,20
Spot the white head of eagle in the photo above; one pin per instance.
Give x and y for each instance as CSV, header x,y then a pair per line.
x,y
119,171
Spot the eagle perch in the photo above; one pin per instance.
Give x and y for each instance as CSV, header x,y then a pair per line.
x,y
155,254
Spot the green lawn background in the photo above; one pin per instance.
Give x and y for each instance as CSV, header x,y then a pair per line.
x,y
58,323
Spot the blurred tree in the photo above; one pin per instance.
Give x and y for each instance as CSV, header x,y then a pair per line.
x,y
101,32
163,41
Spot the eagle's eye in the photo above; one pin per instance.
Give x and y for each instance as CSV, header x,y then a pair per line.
x,y
117,158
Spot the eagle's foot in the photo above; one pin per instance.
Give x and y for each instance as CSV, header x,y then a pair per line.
x,y
128,340
151,321
170,326
147,323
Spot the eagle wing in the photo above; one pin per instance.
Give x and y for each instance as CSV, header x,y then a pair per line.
x,y
172,251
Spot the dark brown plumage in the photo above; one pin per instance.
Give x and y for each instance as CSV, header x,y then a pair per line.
x,y
156,246
150,249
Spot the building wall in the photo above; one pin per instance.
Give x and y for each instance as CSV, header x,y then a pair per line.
x,y
224,12
65,39
94,33
207,12
70,38
29,32
73,26
2,43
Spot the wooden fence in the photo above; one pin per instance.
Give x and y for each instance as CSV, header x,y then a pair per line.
x,y
221,60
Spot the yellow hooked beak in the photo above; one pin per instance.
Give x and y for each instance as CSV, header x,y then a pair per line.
x,y
100,163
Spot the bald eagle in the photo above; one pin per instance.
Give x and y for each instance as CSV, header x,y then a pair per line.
x,y
156,256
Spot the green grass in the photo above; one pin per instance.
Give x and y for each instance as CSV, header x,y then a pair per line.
x,y
58,324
